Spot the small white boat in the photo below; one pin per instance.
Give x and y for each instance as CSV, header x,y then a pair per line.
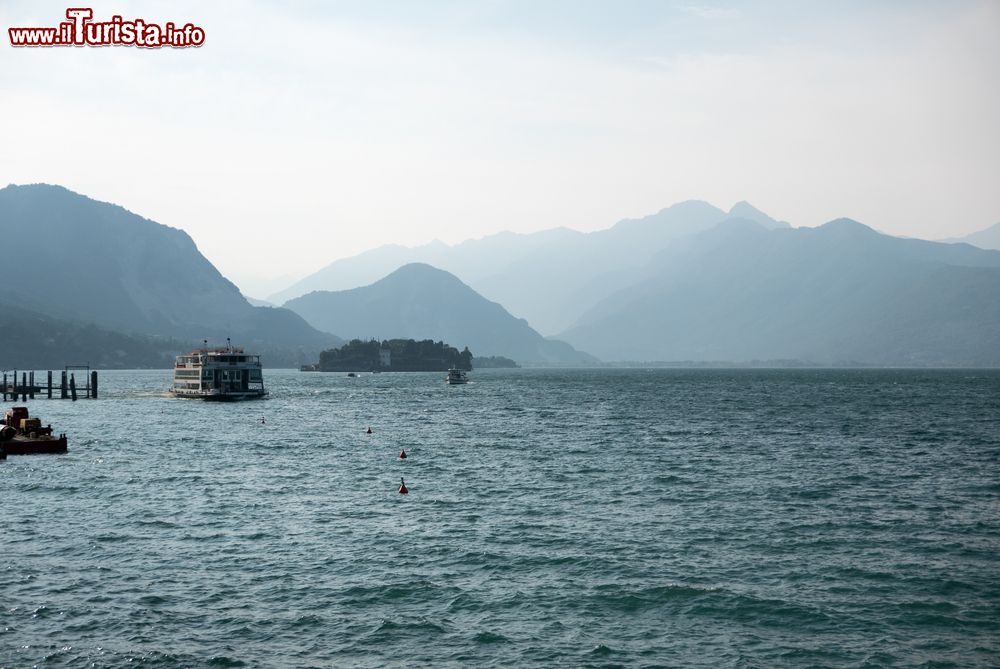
x,y
456,376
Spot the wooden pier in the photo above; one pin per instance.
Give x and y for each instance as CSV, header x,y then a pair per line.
x,y
26,388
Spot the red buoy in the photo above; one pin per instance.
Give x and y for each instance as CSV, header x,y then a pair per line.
x,y
402,454
402,487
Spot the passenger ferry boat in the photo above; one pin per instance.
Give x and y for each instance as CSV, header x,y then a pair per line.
x,y
218,374
456,377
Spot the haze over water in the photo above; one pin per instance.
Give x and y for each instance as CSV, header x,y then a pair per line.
x,y
638,518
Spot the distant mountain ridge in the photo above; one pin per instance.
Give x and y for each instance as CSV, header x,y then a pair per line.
x,y
550,277
690,283
988,238
94,262
838,293
419,302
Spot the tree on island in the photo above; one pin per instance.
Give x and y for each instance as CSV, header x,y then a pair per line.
x,y
493,362
394,355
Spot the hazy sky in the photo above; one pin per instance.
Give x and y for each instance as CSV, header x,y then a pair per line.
x,y
302,132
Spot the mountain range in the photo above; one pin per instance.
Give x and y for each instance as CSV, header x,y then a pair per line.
x,y
90,281
695,283
984,239
839,293
77,260
549,278
418,301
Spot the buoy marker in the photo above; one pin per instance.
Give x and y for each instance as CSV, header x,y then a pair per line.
x,y
402,454
369,431
402,486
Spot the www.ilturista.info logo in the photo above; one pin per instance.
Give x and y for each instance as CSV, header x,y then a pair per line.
x,y
80,30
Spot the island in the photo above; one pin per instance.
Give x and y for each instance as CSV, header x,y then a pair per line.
x,y
394,355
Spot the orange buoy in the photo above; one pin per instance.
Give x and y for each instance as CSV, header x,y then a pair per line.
x,y
402,487
369,431
402,454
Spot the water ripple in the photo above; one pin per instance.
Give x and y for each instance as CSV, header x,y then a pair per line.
x,y
585,518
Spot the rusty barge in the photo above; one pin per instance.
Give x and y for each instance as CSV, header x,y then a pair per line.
x,y
20,434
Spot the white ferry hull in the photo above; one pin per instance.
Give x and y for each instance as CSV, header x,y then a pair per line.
x,y
214,396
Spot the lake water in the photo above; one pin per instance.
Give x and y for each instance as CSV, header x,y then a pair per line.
x,y
576,518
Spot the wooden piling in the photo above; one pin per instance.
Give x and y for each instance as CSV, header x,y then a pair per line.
x,y
25,386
